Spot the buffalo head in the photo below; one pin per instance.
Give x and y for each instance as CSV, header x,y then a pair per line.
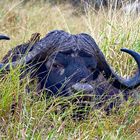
x,y
63,63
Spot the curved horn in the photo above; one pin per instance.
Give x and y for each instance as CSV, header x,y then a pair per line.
x,y
116,80
4,37
41,49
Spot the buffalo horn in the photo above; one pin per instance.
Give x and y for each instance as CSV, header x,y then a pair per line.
x,y
120,82
116,80
4,37
41,49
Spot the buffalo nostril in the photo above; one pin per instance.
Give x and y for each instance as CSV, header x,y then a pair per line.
x,y
82,87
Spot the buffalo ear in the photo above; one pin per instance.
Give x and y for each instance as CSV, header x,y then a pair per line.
x,y
4,37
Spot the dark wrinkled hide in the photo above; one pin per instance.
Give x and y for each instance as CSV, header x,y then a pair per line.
x,y
64,63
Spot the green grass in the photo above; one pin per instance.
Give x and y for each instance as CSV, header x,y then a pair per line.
x,y
36,118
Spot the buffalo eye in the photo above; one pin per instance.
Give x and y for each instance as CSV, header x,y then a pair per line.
x,y
57,66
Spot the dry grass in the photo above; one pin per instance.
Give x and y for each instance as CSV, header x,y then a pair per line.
x,y
112,30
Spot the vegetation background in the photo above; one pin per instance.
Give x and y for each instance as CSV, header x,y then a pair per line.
x,y
37,118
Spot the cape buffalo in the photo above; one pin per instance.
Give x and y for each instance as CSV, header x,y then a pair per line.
x,y
63,63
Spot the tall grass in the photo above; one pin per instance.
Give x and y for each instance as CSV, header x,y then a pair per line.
x,y
36,118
